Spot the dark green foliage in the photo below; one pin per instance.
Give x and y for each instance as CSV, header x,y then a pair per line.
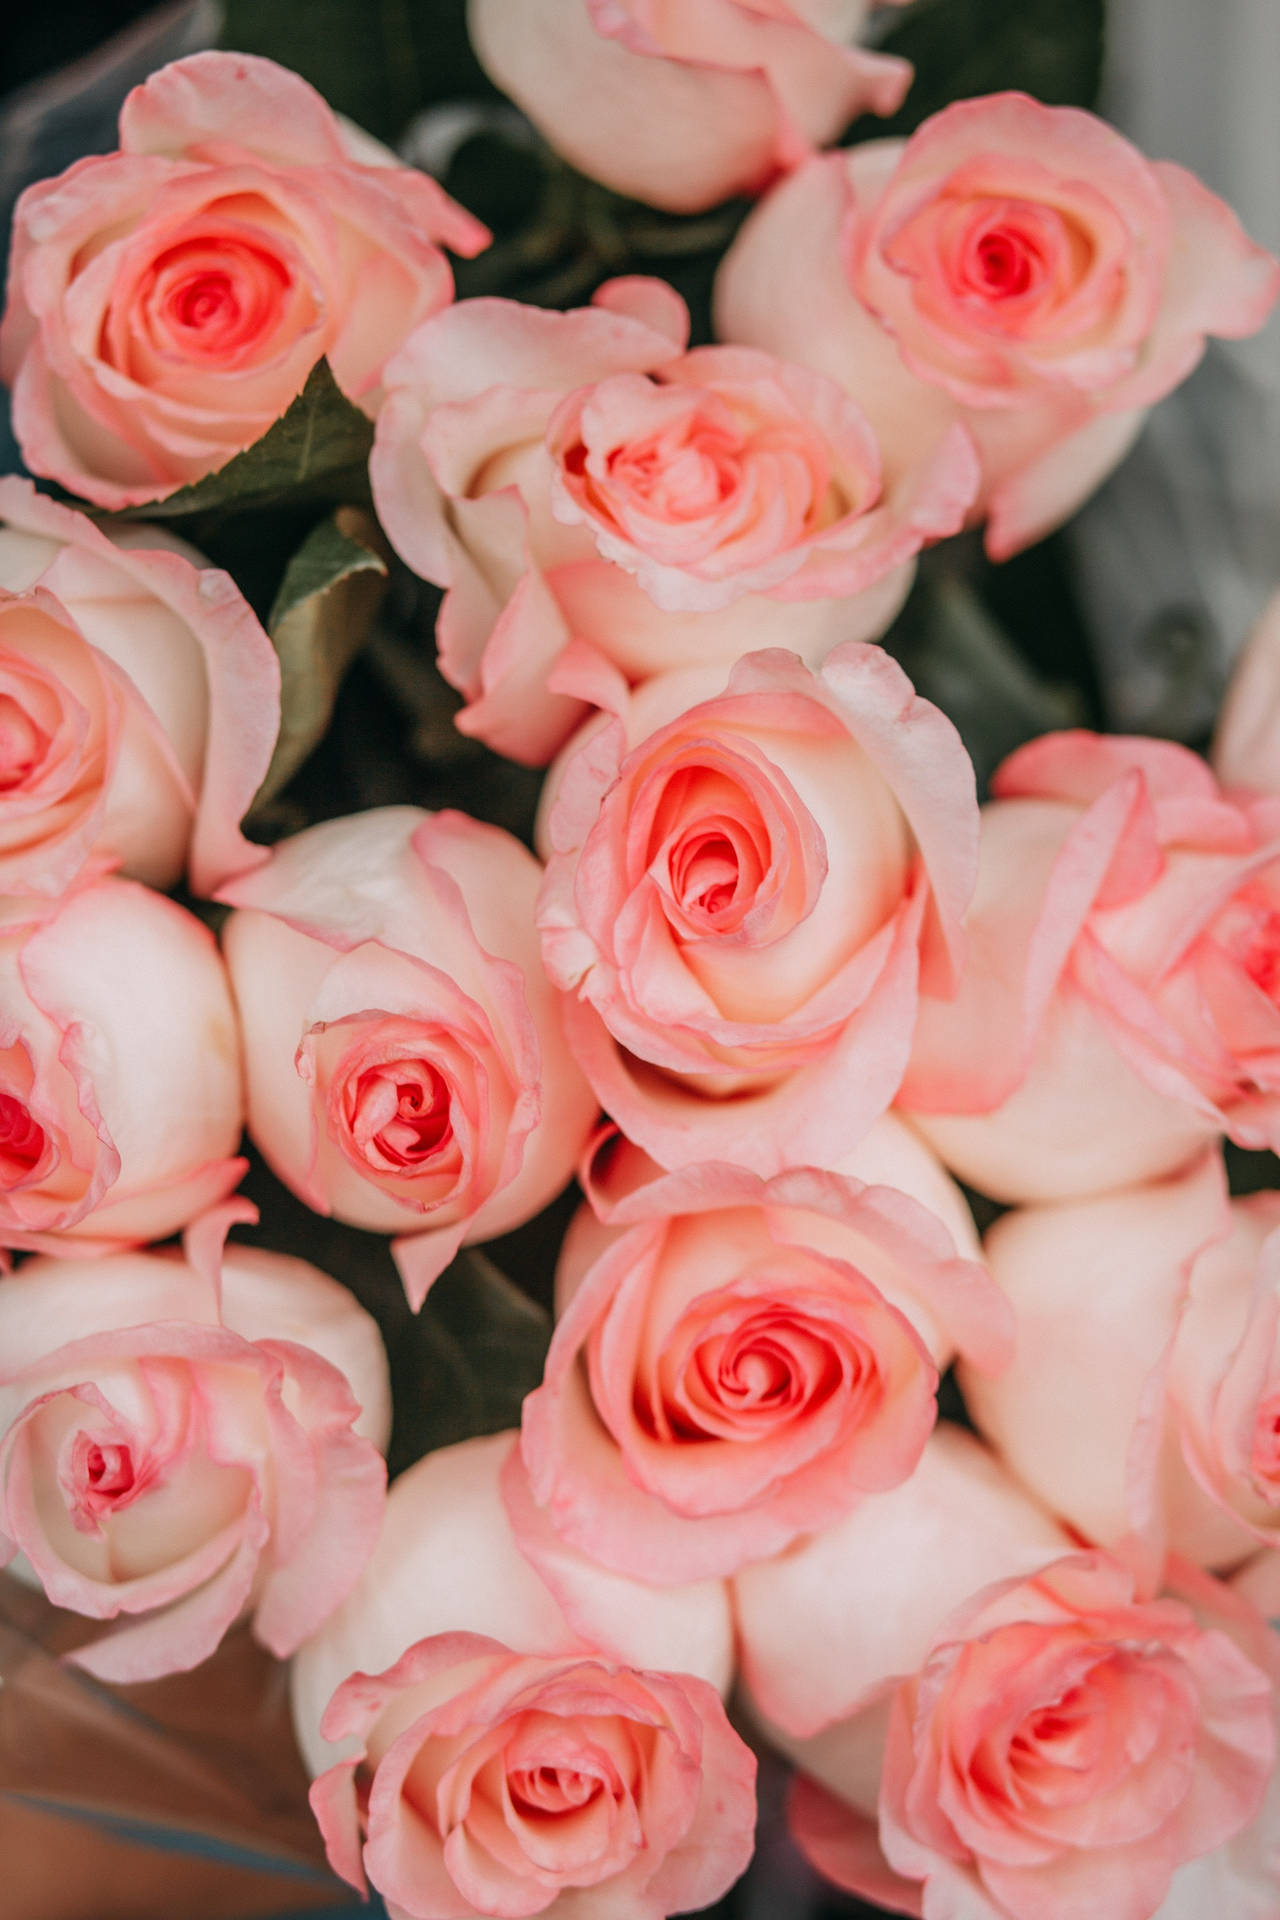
x,y
321,618
317,451
462,1365
379,61
1049,48
960,657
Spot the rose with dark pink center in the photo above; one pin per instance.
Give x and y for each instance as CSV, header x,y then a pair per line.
x,y
121,1099
750,888
183,1441
166,302
1017,268
404,1060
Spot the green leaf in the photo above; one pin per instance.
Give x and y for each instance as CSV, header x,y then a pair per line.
x,y
317,450
322,617
962,660
479,1345
342,545
1051,49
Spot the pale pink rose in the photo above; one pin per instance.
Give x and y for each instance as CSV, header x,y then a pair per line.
x,y
1020,268
749,888
1066,1748
486,1748
1143,1403
683,105
183,1440
166,302
588,492
404,1062
121,1099
738,1361
992,1726
139,704
1121,1000
1245,741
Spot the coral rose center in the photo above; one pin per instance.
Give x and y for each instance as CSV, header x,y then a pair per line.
x,y
212,296
22,1141
400,1113
23,744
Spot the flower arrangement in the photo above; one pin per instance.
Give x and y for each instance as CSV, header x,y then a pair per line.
x,y
696,884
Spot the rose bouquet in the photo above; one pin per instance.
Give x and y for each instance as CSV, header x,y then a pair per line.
x,y
539,596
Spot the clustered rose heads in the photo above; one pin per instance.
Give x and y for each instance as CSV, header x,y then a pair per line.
x,y
1140,1739
1024,1672
1018,1726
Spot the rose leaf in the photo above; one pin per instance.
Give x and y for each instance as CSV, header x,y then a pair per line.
x,y
321,618
317,450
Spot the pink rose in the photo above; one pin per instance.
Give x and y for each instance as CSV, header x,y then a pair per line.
x,y
1154,1415
486,1748
588,492
167,302
1017,267
405,1066
120,1092
748,888
683,106
139,704
737,1361
992,1726
1065,1748
1119,1006
182,1440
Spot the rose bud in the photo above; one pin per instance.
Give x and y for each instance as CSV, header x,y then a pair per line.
x,y
406,1070
1162,1424
738,1361
490,1744
994,1726
121,1100
139,704
584,487
1019,268
748,890
683,106
1119,1006
166,302
185,1440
